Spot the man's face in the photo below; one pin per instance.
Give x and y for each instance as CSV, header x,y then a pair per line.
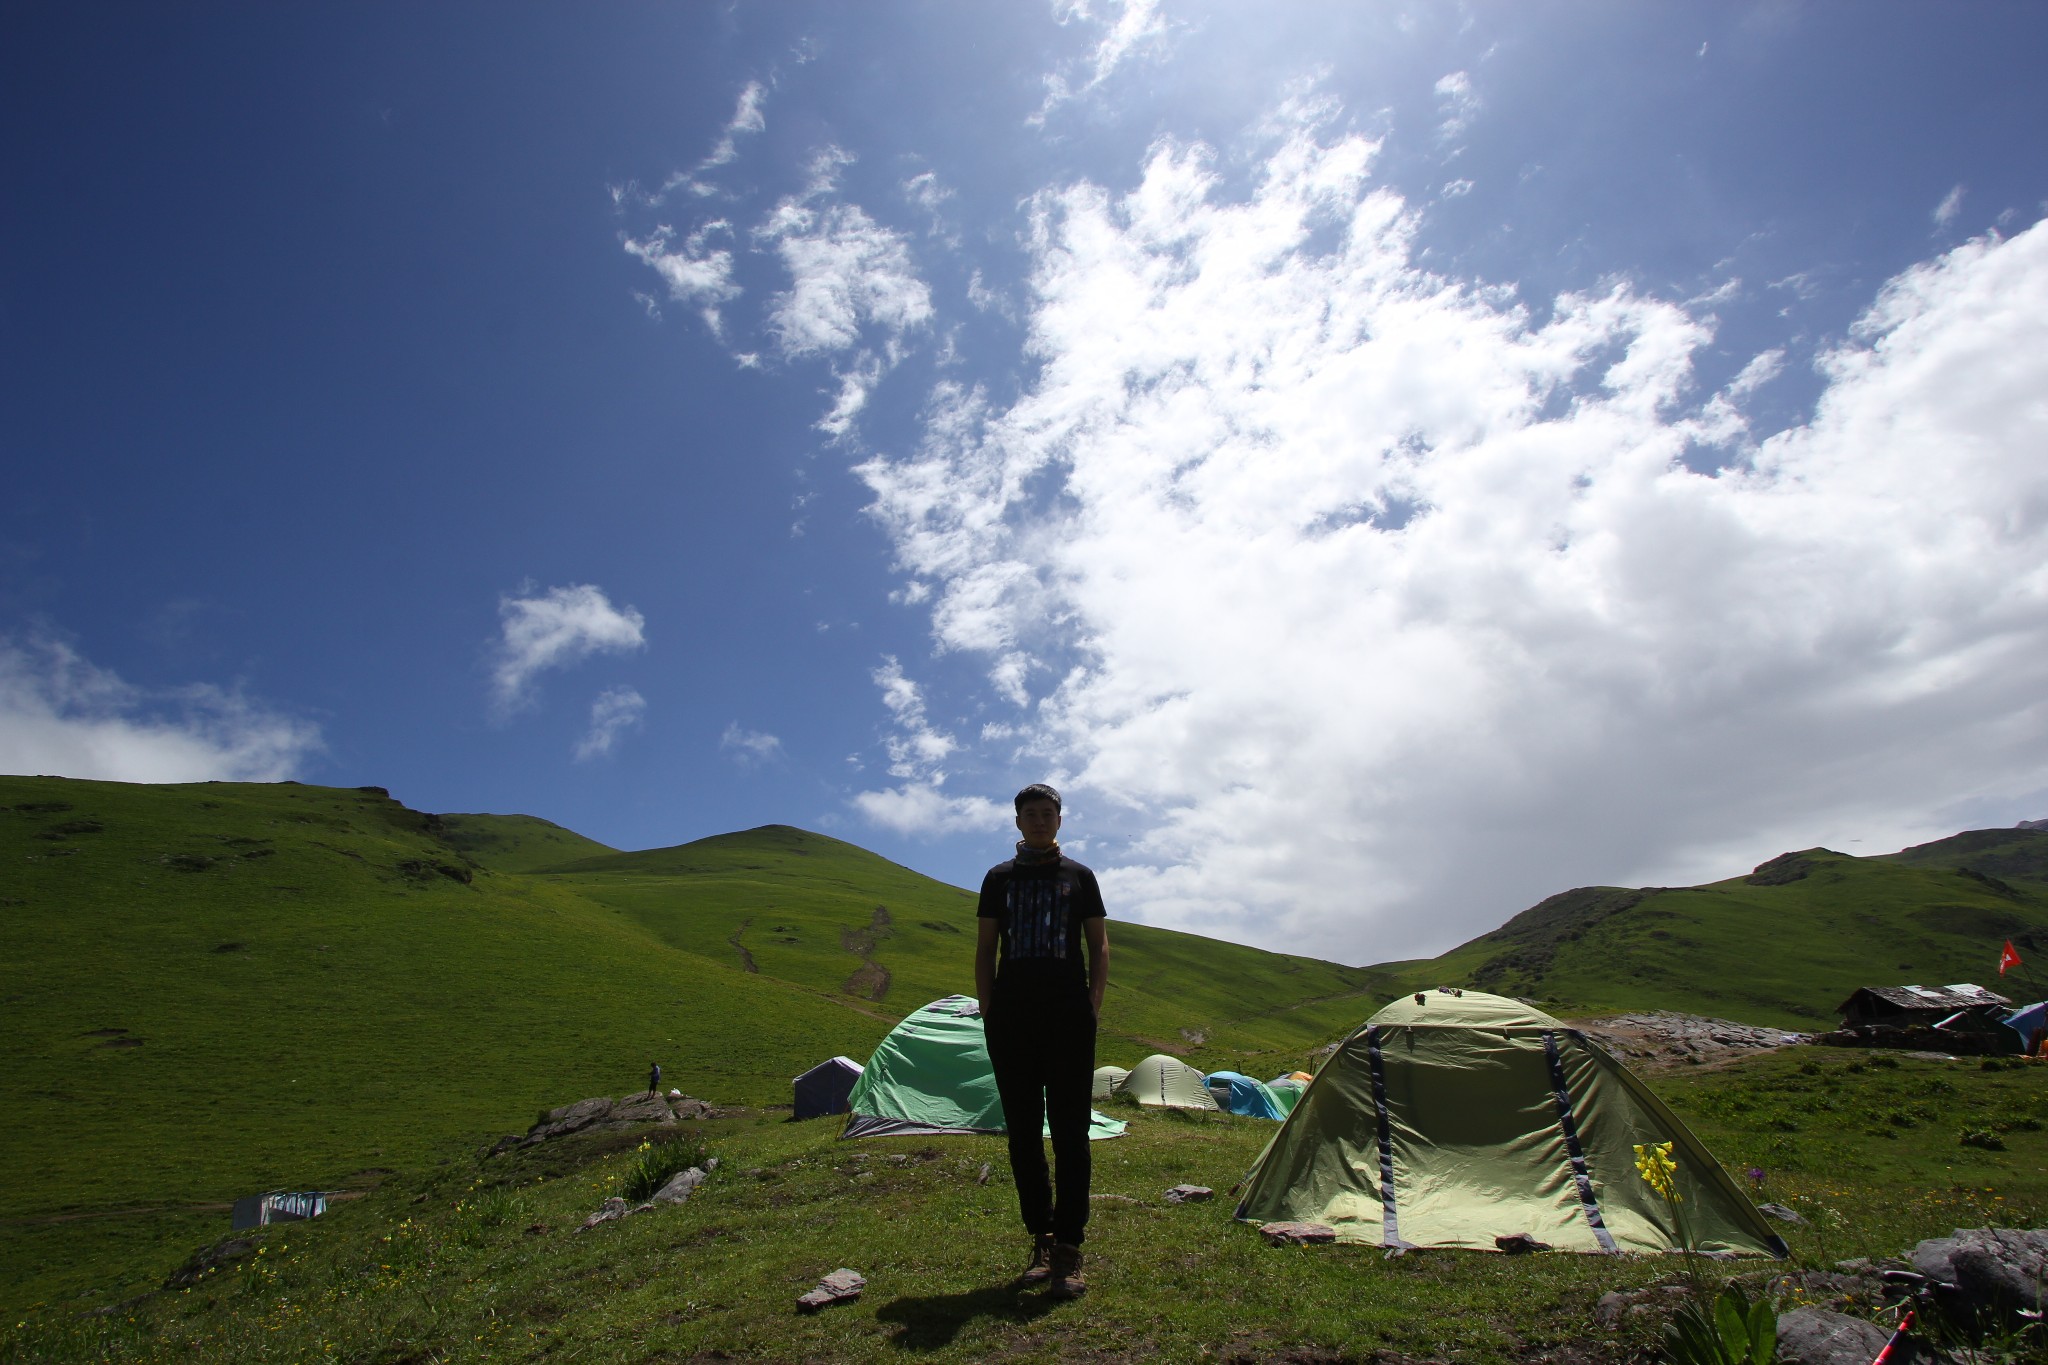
x,y
1038,820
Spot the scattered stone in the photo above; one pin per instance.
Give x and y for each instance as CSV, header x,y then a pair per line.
x,y
1815,1336
1609,1309
680,1186
1781,1213
601,1113
1665,1037
2000,1269
838,1287
208,1259
1519,1244
1189,1194
981,1178
1297,1234
611,1208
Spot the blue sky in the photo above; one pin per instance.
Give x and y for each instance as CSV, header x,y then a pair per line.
x,y
1388,463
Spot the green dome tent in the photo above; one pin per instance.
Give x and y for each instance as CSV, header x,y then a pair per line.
x,y
931,1076
1452,1119
1165,1082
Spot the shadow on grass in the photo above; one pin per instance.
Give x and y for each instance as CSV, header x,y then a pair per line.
x,y
925,1324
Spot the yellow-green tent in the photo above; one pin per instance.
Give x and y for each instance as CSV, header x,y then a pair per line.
x,y
1453,1119
1164,1082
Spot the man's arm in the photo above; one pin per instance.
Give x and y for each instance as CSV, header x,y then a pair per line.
x,y
1097,929
990,934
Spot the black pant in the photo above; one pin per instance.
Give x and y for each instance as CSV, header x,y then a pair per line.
x,y
1043,1052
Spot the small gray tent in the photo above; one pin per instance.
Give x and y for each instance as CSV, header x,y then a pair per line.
x,y
823,1089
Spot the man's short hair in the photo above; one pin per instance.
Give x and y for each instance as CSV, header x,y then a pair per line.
x,y
1038,791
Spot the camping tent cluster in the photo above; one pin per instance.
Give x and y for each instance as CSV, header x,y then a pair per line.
x,y
1163,1082
1449,1119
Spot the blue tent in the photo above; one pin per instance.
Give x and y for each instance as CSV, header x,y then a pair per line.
x,y
2029,1023
1240,1094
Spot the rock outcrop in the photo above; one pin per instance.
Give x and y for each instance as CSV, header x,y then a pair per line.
x,y
601,1114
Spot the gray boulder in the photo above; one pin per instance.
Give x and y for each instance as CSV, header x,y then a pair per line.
x,y
841,1285
600,1113
2003,1270
680,1186
611,1208
1815,1336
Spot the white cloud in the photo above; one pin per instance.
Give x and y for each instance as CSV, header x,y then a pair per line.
x,y
1378,604
696,273
918,747
746,118
60,715
1455,189
561,627
1951,204
749,747
1458,104
922,809
1137,24
616,710
925,191
847,273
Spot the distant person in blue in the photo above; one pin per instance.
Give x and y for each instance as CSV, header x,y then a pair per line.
x,y
1039,1007
654,1078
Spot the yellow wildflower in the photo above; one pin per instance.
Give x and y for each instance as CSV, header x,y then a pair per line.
x,y
1658,1170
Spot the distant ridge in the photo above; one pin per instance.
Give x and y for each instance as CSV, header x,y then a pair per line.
x,y
1778,946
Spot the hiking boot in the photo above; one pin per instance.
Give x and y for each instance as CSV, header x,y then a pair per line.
x,y
1040,1269
1066,1273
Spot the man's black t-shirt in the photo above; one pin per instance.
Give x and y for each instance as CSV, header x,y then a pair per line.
x,y
1040,908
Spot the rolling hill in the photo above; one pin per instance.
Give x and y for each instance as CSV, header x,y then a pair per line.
x,y
1782,945
215,989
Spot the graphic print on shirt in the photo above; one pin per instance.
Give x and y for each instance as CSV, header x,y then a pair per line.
x,y
1039,925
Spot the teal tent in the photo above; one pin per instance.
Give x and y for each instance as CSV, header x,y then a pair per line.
x,y
931,1076
1238,1093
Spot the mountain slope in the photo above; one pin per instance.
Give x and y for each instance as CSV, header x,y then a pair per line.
x,y
828,915
1783,945
274,984
216,989
516,843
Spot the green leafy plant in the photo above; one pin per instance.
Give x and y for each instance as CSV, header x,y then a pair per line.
x,y
1738,1331
656,1163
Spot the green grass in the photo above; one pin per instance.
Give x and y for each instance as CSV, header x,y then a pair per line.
x,y
213,990
217,989
479,1260
1783,952
824,915
227,989
515,843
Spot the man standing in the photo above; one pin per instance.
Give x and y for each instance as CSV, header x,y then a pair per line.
x,y
654,1078
1039,1007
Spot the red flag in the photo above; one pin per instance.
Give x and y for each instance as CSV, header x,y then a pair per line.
x,y
2008,958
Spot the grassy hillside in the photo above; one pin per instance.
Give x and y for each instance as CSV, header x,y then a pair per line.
x,y
829,916
1783,945
472,1260
515,843
216,989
